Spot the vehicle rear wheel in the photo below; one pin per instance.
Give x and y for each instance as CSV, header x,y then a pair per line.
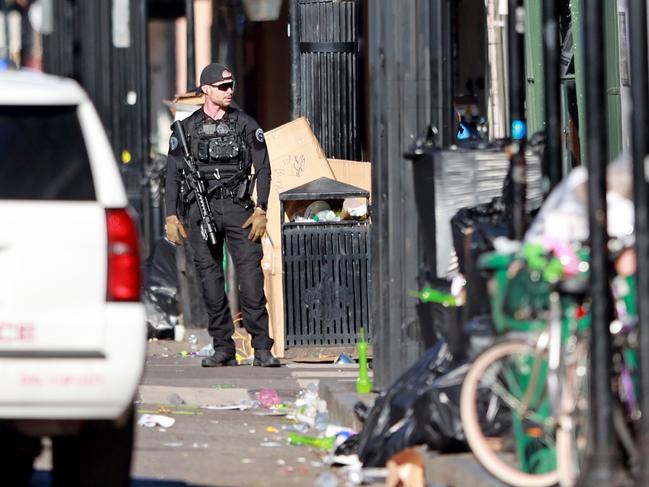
x,y
99,455
17,454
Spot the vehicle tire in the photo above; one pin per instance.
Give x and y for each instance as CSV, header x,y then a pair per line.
x,y
486,373
99,455
17,454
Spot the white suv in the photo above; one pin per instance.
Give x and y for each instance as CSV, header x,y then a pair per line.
x,y
72,328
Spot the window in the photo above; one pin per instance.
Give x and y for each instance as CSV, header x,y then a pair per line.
x,y
43,155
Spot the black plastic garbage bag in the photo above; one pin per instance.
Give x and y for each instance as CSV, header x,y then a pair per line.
x,y
421,407
474,230
160,294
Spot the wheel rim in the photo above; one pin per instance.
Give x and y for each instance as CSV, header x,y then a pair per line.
x,y
484,373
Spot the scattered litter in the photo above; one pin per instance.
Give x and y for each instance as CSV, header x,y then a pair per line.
x,y
334,430
248,404
200,445
301,460
340,459
176,400
316,464
321,420
192,340
152,420
270,444
162,430
299,427
247,460
326,479
222,386
271,429
242,405
406,469
268,398
206,351
343,358
173,444
272,412
358,475
252,432
281,462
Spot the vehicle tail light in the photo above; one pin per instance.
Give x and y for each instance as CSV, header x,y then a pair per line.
x,y
123,257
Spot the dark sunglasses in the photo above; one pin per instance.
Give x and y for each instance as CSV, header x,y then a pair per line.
x,y
224,86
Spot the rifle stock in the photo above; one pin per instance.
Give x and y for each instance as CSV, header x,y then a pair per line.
x,y
197,184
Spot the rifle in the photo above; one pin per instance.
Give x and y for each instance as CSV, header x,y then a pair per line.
x,y
197,184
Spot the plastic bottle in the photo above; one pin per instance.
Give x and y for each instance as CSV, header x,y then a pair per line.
x,y
324,442
321,420
430,295
363,381
326,479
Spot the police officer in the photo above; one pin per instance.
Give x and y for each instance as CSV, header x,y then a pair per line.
x,y
225,143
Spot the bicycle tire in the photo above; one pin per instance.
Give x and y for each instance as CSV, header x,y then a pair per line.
x,y
478,442
573,431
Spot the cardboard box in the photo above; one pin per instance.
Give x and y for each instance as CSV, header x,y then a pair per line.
x,y
353,172
295,159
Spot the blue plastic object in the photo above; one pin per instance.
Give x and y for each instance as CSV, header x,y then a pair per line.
x,y
519,129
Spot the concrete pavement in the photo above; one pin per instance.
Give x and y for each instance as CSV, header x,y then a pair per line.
x,y
209,445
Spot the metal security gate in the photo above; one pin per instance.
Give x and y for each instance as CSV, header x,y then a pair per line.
x,y
325,283
325,72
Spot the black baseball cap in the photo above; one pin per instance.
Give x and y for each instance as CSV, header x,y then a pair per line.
x,y
215,73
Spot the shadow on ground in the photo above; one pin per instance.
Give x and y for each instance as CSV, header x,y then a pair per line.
x,y
41,478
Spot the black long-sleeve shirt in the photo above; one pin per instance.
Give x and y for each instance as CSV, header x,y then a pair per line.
x,y
252,135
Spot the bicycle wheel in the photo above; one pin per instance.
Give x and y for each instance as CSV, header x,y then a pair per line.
x,y
511,374
573,428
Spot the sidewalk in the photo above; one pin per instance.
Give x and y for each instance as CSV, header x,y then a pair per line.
x,y
452,470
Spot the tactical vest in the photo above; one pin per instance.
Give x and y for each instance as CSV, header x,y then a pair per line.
x,y
220,151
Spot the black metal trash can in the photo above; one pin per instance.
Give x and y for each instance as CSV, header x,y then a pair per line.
x,y
326,269
457,186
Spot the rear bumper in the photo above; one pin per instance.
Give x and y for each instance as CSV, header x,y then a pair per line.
x,y
97,385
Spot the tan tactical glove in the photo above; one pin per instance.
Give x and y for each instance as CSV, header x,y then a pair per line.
x,y
175,230
258,222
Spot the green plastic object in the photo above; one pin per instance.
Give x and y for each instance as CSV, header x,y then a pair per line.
x,y
324,442
430,295
363,381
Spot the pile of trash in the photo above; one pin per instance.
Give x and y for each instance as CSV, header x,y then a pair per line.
x,y
322,211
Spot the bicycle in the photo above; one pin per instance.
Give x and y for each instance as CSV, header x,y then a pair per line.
x,y
522,369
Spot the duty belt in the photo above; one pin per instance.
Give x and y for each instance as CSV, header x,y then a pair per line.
x,y
219,192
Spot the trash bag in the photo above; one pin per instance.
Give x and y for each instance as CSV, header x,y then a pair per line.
x,y
160,294
474,229
480,332
420,407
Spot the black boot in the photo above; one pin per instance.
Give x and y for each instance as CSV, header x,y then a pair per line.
x,y
263,358
219,358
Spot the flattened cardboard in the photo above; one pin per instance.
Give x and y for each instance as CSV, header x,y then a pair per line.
x,y
352,172
295,158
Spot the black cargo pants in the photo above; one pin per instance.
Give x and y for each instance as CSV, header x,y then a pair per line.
x,y
246,255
